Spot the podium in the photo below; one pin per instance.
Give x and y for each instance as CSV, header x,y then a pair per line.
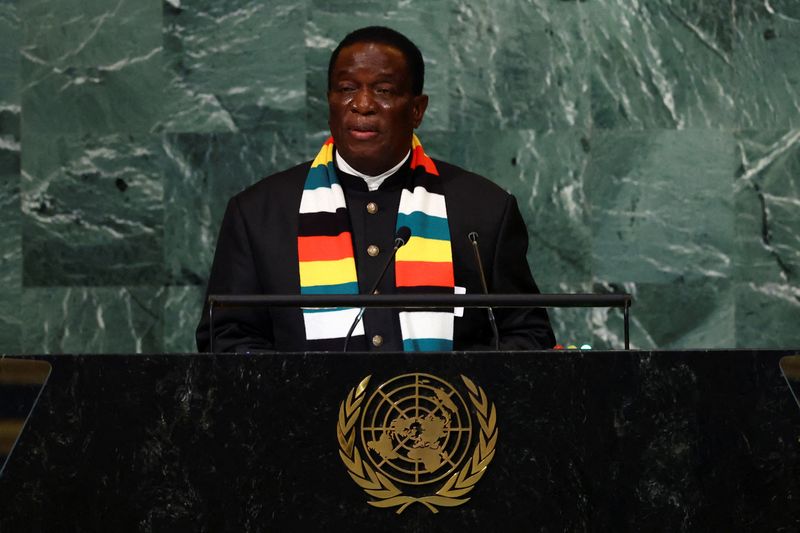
x,y
644,441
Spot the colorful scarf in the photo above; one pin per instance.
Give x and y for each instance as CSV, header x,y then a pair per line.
x,y
327,263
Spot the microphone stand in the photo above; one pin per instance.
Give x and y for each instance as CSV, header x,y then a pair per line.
x,y
473,238
399,241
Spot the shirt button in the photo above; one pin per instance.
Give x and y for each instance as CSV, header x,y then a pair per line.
x,y
372,208
377,340
373,250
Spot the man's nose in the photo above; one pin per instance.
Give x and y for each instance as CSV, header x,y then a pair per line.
x,y
363,101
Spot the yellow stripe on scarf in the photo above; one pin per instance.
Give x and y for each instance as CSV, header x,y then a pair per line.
x,y
314,273
324,156
422,249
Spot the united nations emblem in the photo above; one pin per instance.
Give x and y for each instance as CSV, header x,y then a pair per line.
x,y
413,440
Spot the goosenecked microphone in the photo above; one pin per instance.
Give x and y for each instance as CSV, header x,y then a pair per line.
x,y
400,239
473,238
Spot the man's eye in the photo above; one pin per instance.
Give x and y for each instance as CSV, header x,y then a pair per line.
x,y
383,90
347,89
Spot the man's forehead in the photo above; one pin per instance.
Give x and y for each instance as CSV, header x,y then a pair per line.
x,y
380,58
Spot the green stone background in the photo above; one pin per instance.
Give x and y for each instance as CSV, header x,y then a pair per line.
x,y
654,147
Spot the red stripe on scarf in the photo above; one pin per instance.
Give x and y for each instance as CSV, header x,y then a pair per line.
x,y
418,158
321,248
423,274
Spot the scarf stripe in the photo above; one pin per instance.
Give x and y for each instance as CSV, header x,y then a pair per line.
x,y
419,158
427,345
421,225
423,330
320,200
330,323
423,265
428,250
423,200
323,224
325,249
314,273
340,288
423,274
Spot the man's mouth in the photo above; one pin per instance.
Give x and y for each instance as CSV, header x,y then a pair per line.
x,y
363,133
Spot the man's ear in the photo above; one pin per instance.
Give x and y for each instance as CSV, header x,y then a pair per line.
x,y
419,106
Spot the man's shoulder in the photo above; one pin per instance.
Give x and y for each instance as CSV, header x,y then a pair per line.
x,y
275,187
464,182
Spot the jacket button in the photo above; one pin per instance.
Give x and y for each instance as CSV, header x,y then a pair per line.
x,y
372,208
373,250
377,340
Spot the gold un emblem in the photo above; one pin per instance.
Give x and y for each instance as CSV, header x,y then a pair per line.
x,y
413,441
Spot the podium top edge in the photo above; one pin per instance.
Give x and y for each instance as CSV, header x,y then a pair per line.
x,y
421,300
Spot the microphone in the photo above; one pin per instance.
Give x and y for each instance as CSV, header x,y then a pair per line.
x,y
473,238
400,240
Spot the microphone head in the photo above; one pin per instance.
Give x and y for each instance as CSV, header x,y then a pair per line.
x,y
402,236
473,237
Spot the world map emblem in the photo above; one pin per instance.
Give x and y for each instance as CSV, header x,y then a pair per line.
x,y
416,439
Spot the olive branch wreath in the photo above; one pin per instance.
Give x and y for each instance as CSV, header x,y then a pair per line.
x,y
381,487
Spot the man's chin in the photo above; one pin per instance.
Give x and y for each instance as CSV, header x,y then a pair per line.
x,y
363,158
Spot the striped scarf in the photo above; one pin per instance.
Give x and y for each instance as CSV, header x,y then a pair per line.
x,y
327,263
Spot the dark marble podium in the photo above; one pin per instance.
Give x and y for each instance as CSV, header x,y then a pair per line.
x,y
594,441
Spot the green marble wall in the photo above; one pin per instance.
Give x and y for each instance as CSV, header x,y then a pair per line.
x,y
654,146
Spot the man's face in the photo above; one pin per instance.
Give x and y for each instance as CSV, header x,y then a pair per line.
x,y
372,112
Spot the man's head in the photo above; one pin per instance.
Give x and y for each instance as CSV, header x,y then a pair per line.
x,y
395,39
375,99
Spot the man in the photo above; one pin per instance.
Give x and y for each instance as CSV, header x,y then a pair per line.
x,y
327,227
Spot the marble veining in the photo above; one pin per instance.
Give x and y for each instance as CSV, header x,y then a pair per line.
x,y
653,147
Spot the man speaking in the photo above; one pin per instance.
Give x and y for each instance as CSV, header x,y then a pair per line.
x,y
329,226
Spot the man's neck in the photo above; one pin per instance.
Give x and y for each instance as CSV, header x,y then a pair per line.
x,y
373,182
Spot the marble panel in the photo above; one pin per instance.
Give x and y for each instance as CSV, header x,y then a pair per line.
x,y
182,308
10,39
665,64
574,326
93,211
10,135
518,65
545,173
767,203
91,67
421,21
233,65
10,322
10,239
10,234
89,32
766,77
661,205
92,320
120,97
314,141
767,314
669,316
540,96
202,172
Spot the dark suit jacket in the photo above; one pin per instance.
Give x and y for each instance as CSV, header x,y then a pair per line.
x,y
257,254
